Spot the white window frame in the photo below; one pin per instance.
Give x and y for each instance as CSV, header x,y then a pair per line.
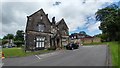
x,y
40,42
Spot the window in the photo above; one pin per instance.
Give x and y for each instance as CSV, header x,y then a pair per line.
x,y
41,27
41,17
40,41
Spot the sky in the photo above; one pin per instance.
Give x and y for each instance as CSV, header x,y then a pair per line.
x,y
79,15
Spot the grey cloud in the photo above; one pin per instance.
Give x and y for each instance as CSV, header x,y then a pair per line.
x,y
14,13
56,3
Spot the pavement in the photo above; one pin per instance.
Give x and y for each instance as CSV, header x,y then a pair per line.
x,y
95,55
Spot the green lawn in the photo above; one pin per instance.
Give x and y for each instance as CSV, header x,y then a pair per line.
x,y
113,46
119,54
18,52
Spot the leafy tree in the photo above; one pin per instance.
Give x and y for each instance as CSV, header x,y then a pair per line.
x,y
98,35
19,35
19,38
9,36
110,22
19,43
82,32
4,42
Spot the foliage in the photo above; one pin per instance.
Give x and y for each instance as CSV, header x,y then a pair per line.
x,y
19,38
4,42
18,43
113,46
8,36
110,22
104,37
94,43
82,32
19,35
52,48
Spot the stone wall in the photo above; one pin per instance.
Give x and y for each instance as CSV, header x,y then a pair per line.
x,y
86,40
91,40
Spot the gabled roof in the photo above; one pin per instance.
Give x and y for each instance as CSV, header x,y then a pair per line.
x,y
62,20
41,10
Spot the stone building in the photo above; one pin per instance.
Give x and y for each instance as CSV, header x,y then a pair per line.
x,y
40,33
84,38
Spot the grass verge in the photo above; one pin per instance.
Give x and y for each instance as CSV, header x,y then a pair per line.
x,y
18,52
113,46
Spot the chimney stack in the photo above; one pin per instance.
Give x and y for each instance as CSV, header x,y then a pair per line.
x,y
47,15
53,20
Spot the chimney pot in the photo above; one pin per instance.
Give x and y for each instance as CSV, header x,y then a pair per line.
x,y
53,20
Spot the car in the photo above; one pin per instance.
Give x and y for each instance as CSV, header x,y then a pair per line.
x,y
72,46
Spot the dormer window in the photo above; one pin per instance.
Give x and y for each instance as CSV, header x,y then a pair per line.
x,y
41,27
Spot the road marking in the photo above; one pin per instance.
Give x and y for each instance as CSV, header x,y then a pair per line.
x,y
88,46
1,64
37,56
47,55
75,49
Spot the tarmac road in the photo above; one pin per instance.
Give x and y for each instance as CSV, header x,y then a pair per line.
x,y
84,56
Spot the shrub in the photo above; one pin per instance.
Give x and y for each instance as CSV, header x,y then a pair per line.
x,y
4,42
52,48
19,43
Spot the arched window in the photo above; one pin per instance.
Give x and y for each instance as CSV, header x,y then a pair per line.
x,y
41,27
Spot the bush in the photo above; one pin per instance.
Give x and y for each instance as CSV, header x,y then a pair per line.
x,y
52,48
4,42
19,43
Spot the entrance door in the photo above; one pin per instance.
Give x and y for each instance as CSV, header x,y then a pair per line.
x,y
40,42
58,42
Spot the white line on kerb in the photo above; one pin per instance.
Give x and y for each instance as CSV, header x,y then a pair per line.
x,y
37,56
1,64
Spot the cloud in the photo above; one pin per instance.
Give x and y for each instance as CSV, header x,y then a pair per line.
x,y
56,3
74,12
94,27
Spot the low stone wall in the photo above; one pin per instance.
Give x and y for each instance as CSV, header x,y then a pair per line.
x,y
91,40
86,40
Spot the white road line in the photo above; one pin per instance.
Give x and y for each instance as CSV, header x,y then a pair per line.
x,y
37,56
75,49
1,64
88,46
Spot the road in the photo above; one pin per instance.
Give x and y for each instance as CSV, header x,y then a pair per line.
x,y
84,56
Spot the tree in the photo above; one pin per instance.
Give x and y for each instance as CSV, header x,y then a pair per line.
x,y
82,32
6,39
19,35
9,36
110,22
19,38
